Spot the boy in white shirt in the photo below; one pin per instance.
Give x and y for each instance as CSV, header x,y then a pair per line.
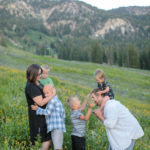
x,y
122,128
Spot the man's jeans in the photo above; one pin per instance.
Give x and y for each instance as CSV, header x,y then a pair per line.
x,y
128,148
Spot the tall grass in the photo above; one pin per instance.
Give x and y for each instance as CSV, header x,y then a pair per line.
x,y
14,118
131,87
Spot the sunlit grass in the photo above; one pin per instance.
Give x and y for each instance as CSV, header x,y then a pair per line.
x,y
131,87
14,116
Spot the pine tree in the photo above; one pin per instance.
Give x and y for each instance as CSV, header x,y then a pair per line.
x,y
132,56
96,52
110,55
148,58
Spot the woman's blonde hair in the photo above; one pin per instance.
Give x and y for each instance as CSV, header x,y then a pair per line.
x,y
100,74
71,100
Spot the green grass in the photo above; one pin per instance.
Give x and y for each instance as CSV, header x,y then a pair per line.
x,y
37,38
131,87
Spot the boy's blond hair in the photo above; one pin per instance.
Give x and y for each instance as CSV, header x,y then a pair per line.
x,y
100,74
46,67
71,100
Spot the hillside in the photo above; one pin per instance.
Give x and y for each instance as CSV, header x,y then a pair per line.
x,y
74,30
63,18
71,71
131,87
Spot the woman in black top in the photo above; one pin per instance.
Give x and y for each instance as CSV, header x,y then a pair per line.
x,y
34,94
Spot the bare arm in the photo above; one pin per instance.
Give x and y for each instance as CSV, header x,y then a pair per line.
x,y
87,116
104,91
42,101
98,113
85,102
48,110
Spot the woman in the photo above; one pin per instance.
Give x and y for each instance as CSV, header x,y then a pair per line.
x,y
34,94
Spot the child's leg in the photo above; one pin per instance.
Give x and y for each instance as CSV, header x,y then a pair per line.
x,y
78,143
57,138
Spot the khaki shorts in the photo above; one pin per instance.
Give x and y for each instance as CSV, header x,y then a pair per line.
x,y
57,138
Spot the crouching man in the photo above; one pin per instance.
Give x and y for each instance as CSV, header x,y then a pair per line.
x,y
122,128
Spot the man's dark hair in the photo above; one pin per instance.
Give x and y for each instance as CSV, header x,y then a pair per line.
x,y
95,92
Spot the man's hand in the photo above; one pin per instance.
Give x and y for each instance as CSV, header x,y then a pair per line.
x,y
99,114
96,112
34,107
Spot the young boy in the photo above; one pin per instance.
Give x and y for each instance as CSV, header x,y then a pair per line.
x,y
44,77
55,117
78,121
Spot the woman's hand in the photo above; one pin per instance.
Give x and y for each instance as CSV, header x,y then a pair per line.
x,y
34,107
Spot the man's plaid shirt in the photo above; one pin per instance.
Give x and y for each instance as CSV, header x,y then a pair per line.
x,y
54,114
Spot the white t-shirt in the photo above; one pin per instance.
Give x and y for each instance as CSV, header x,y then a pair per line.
x,y
121,125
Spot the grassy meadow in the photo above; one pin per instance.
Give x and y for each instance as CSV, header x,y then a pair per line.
x,y
131,87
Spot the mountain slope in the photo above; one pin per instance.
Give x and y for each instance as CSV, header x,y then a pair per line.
x,y
69,18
